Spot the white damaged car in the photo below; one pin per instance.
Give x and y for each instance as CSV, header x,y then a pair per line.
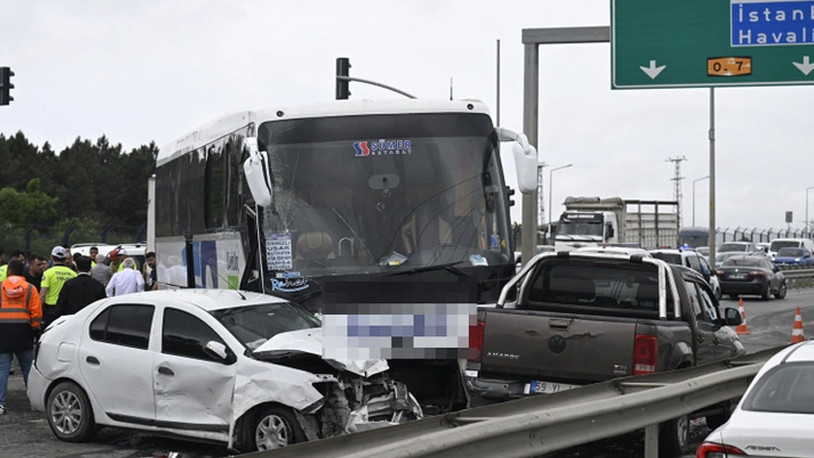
x,y
239,368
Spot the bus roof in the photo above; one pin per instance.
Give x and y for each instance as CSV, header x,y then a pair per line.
x,y
230,123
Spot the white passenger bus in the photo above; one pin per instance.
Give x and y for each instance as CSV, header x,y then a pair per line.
x,y
389,203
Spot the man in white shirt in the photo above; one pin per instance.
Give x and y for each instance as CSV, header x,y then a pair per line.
x,y
126,281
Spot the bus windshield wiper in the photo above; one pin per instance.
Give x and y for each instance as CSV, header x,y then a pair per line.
x,y
450,267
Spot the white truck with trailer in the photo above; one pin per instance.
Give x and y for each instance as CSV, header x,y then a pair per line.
x,y
592,221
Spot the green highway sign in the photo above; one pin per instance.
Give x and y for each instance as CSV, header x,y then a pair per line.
x,y
711,43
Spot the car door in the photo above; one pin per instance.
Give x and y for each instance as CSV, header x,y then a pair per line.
x,y
772,272
706,342
116,363
193,388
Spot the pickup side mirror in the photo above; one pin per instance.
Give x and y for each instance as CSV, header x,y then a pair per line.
x,y
525,158
732,317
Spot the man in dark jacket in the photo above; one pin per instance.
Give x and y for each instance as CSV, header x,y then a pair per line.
x,y
20,319
80,291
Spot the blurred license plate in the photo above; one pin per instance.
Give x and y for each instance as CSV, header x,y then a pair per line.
x,y
737,276
539,387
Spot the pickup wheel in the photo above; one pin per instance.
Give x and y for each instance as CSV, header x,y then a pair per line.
x,y
781,292
674,437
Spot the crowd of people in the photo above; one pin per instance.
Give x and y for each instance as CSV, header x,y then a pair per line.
x,y
35,291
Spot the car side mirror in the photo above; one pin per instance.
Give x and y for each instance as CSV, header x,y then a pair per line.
x,y
220,352
732,317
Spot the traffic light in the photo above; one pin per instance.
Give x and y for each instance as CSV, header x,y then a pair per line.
x,y
5,85
342,84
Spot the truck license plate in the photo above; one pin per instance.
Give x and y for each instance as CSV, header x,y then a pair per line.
x,y
540,387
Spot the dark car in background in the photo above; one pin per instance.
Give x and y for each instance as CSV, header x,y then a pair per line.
x,y
751,275
792,256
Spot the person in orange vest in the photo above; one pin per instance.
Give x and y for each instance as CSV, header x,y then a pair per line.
x,y
20,321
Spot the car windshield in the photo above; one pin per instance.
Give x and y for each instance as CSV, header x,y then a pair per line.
x,y
732,247
790,252
784,389
778,244
254,324
744,261
672,258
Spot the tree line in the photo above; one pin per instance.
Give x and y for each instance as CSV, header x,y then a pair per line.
x,y
90,185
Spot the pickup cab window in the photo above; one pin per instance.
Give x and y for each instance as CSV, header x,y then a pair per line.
x,y
701,303
597,285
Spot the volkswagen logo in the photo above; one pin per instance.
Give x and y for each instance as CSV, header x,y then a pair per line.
x,y
556,344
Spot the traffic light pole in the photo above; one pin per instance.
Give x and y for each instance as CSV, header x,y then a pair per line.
x,y
5,85
343,79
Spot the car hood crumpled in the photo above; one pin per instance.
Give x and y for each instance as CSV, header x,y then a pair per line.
x,y
310,341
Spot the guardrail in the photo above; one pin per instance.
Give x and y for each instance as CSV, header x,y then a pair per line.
x,y
548,423
798,276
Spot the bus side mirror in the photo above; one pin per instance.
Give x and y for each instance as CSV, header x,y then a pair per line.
x,y
525,158
256,170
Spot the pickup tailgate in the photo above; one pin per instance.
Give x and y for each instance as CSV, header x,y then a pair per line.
x,y
563,347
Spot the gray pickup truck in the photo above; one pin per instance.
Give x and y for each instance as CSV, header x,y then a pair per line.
x,y
571,319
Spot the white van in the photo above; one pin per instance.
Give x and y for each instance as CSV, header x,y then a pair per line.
x,y
795,243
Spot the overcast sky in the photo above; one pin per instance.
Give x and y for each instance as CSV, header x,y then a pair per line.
x,y
141,71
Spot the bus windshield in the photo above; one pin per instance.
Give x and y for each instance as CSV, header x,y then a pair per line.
x,y
377,193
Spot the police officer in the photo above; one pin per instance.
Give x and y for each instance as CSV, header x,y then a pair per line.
x,y
52,281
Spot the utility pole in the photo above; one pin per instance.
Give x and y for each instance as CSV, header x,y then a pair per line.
x,y
541,209
677,182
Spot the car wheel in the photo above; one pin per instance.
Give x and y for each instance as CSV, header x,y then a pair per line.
x,y
674,438
781,292
275,427
70,414
766,292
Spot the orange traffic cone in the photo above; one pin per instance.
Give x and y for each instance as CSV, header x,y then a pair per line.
x,y
797,332
741,328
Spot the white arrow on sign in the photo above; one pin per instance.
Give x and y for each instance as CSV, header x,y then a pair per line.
x,y
653,71
804,67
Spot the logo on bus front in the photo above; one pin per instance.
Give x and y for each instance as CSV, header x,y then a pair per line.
x,y
383,147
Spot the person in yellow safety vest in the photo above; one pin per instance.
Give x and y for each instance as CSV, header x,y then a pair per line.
x,y
20,320
51,285
94,251
117,258
16,254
